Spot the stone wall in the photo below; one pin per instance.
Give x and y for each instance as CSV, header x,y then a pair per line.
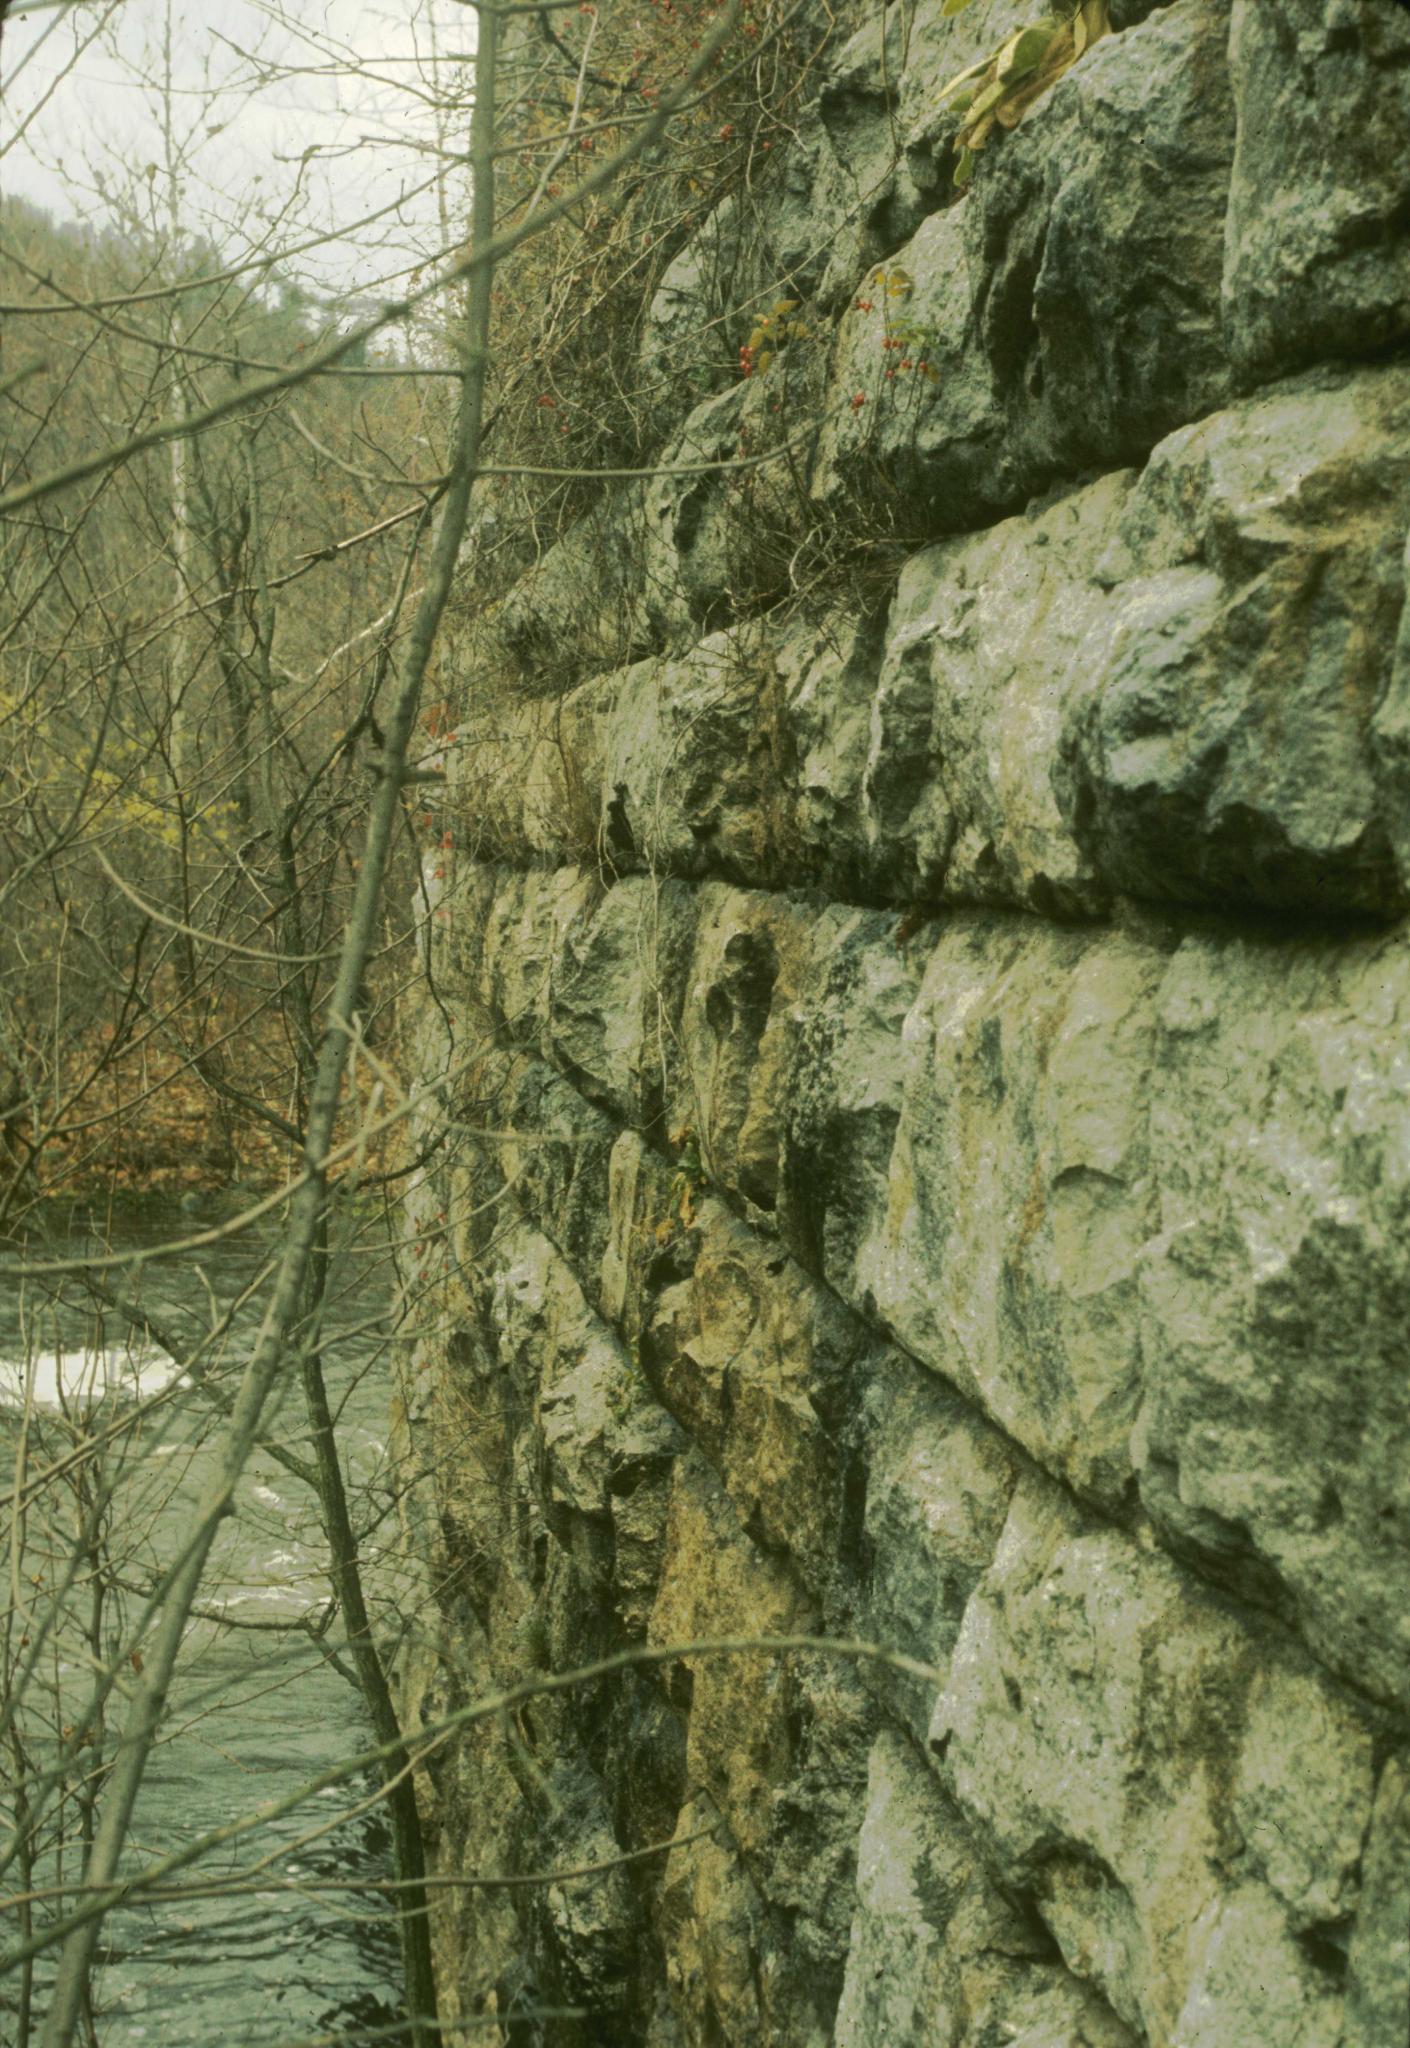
x,y
920,978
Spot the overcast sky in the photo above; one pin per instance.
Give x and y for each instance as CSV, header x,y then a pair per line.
x,y
244,118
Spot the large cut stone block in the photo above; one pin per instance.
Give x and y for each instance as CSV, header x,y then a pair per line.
x,y
756,1361
1095,247
1005,1249
939,1958
1378,1990
777,1745
1165,686
1182,684
616,985
938,1486
1317,259
1275,1293
579,607
1391,739
958,797
692,756
1218,741
1180,1804
847,1068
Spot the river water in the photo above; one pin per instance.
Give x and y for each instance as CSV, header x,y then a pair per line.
x,y
256,1711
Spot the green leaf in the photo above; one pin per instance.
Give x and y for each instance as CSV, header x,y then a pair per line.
x,y
963,77
990,97
1092,22
952,7
1025,50
964,168
978,134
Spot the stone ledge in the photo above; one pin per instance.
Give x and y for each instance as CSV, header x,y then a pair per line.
x,y
1181,686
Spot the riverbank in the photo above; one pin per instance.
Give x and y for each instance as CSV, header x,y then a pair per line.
x,y
151,1117
303,1944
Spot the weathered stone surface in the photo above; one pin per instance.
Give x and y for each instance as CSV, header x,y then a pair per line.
x,y
1005,1250
581,973
551,1475
756,1362
694,750
825,683
1178,685
958,798
856,111
602,1447
937,1499
929,445
694,754
1390,739
1061,1031
938,1487
577,610
1069,309
838,197
868,160
532,1132
591,1926
1079,1656
938,1959
618,978
933,49
510,930
1274,1291
1317,260
1298,1798
847,1069
705,293
713,1929
1378,1990
1218,741
1163,686
780,1748
750,952
1096,275
698,574
1172,1203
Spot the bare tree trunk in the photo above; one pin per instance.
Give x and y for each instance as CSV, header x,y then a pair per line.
x,y
308,1207
180,747
345,1573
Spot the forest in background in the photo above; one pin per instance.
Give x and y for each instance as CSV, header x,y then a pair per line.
x,y
234,638
188,666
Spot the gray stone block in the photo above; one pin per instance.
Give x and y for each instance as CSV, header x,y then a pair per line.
x,y
1317,258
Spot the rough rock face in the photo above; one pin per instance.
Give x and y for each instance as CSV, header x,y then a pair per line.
x,y
922,1151
1316,261
1175,684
